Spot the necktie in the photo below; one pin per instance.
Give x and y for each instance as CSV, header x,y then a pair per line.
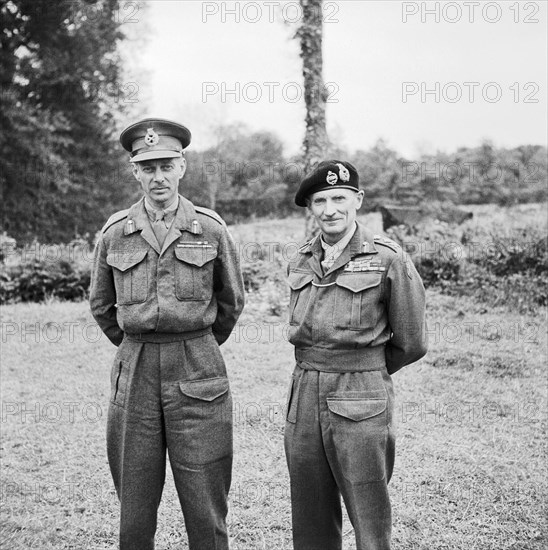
x,y
329,257
159,227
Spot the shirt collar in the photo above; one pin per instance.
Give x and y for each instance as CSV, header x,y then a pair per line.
x,y
333,251
171,208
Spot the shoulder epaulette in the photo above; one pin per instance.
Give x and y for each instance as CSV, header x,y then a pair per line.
x,y
210,213
116,217
385,241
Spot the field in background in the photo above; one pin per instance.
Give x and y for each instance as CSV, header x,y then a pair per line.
x,y
470,469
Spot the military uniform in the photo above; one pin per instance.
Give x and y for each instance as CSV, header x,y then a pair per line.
x,y
353,325
168,308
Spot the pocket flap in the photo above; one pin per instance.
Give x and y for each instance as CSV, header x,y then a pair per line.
x,y
126,259
356,409
198,255
205,390
298,280
356,282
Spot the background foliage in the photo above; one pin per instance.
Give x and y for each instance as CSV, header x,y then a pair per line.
x,y
246,175
62,170
60,93
499,257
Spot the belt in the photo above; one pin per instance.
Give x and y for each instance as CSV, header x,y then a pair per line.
x,y
341,360
166,337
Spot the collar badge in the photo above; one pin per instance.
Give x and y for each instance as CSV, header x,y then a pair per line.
x,y
331,178
152,138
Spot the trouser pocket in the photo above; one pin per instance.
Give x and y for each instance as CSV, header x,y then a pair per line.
x,y
359,430
199,422
293,398
119,382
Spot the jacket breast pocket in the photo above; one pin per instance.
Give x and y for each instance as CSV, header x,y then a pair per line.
x,y
194,272
130,275
357,297
359,428
301,287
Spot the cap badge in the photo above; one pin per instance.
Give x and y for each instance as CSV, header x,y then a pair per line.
x,y
152,138
331,178
344,174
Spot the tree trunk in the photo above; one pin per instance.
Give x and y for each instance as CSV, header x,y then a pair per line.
x,y
315,140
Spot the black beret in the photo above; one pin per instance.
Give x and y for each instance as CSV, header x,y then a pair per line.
x,y
154,138
328,174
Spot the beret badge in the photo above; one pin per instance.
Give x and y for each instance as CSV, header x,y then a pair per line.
x,y
331,178
344,174
151,138
328,174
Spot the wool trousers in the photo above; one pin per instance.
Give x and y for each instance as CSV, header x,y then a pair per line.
x,y
170,396
339,441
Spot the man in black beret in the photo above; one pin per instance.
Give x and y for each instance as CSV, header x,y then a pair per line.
x,y
356,317
167,290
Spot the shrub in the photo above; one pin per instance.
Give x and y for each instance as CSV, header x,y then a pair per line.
x,y
39,280
496,265
524,251
437,271
264,279
38,272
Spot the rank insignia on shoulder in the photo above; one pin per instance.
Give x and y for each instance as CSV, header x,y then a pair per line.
x,y
115,218
210,214
385,241
130,227
306,246
408,267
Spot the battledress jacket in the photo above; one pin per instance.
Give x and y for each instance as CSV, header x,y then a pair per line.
x,y
372,296
192,283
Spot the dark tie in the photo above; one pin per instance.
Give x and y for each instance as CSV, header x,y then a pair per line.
x,y
159,227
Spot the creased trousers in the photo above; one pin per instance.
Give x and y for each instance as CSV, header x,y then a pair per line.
x,y
170,393
339,440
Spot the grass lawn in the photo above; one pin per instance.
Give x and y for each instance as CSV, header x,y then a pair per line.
x,y
471,462
471,421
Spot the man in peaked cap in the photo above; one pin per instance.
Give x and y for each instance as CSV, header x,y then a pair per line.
x,y
356,317
167,290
